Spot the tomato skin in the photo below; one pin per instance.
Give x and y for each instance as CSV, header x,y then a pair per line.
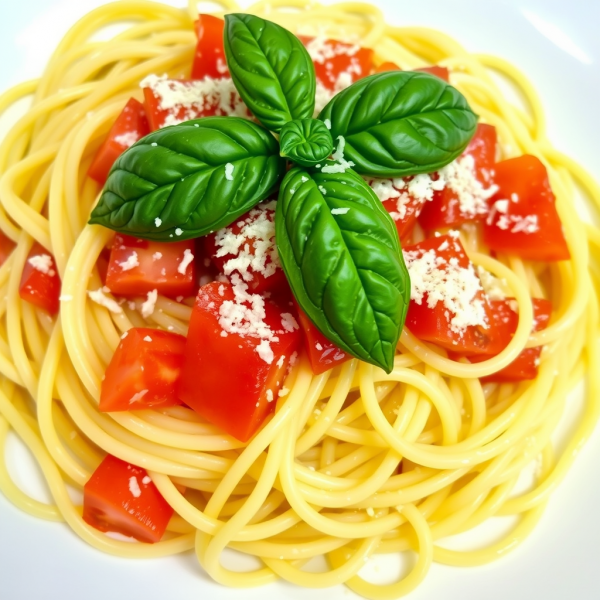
x,y
224,379
434,324
6,247
131,123
505,321
323,354
109,504
524,192
143,371
444,209
149,274
209,59
441,72
347,58
39,288
259,282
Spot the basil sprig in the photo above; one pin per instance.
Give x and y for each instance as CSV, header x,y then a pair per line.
x,y
338,246
400,123
307,142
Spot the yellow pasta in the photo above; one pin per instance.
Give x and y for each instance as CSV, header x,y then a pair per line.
x,y
321,478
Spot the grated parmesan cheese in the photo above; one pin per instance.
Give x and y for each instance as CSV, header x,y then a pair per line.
x,y
99,298
188,258
127,139
148,306
43,263
270,397
134,487
283,392
341,165
146,480
131,263
157,256
288,322
158,222
229,172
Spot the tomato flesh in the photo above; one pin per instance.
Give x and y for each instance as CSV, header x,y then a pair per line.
x,y
505,321
523,219
209,59
224,378
40,283
435,323
247,248
130,126
143,371
441,72
338,64
6,247
121,497
138,266
323,354
444,209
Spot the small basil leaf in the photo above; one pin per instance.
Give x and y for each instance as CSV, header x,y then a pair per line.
x,y
185,181
401,123
306,141
271,70
340,251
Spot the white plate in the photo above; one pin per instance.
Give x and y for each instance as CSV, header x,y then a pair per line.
x,y
556,43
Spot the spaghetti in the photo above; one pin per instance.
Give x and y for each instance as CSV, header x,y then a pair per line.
x,y
320,479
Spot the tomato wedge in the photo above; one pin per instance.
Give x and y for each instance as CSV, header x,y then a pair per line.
x,y
323,354
523,219
143,371
230,376
138,266
247,248
469,184
448,306
121,497
338,64
505,321
40,283
130,126
209,59
441,72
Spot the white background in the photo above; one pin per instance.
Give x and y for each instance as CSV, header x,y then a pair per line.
x,y
556,43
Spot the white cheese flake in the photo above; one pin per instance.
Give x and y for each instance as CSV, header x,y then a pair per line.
x,y
270,397
109,303
146,480
131,263
229,172
288,322
341,165
283,392
43,263
127,139
188,258
137,397
147,338
149,304
134,487
157,256
158,221
265,351
178,231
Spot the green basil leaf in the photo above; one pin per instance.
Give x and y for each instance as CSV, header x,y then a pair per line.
x,y
401,123
340,251
306,141
185,181
271,70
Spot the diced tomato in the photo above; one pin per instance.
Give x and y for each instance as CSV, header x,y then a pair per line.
x,y
441,72
120,497
323,354
523,219
477,167
130,126
505,321
338,64
6,247
209,59
247,248
233,380
138,266
40,283
449,273
143,371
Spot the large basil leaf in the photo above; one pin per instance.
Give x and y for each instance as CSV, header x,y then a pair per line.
x,y
401,123
271,69
306,141
340,251
185,181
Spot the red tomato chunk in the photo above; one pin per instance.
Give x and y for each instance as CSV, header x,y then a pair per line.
x,y
209,59
247,248
448,306
468,187
504,323
143,371
523,219
130,126
323,354
441,72
338,64
120,497
138,266
40,283
233,379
